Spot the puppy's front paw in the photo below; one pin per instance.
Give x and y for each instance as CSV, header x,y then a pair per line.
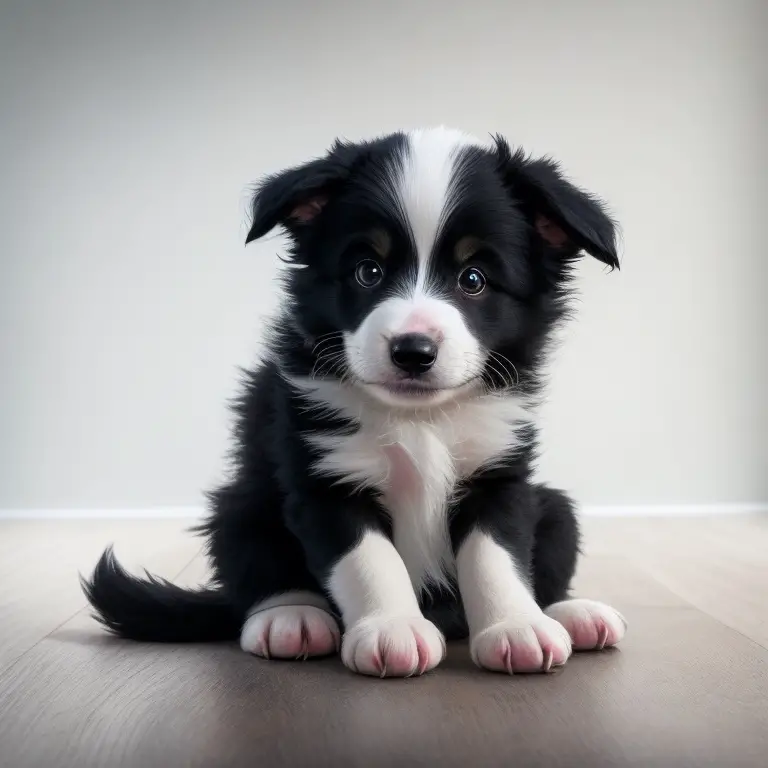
x,y
290,632
524,644
395,646
591,625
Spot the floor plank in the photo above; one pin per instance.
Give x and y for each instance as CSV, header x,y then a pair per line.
x,y
719,565
40,562
684,689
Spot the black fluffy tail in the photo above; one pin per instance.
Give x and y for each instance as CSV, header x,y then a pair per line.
x,y
155,610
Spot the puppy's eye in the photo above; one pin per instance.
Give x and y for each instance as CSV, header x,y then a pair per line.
x,y
368,273
472,281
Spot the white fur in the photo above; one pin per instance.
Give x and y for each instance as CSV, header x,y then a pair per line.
x,y
426,188
491,585
508,630
386,634
460,359
442,445
371,580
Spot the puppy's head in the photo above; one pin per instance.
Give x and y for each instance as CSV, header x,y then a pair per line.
x,y
428,265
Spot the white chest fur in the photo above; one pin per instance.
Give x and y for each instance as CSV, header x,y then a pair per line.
x,y
415,460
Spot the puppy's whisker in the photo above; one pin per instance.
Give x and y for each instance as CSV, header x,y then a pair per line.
x,y
495,369
505,361
332,341
326,363
331,361
506,378
328,353
328,335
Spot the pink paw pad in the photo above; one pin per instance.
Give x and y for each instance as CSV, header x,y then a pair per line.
x,y
393,647
290,632
590,624
522,646
396,663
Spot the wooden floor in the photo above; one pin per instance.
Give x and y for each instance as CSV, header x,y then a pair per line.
x,y
688,687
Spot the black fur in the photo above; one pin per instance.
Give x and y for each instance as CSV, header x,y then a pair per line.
x,y
278,526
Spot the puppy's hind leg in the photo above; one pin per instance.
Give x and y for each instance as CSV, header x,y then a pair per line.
x,y
590,624
261,566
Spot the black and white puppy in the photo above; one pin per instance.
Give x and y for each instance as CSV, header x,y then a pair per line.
x,y
382,498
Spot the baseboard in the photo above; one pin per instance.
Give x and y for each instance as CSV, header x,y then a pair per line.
x,y
139,513
195,513
673,510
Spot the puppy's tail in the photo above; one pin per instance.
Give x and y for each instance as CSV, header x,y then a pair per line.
x,y
155,610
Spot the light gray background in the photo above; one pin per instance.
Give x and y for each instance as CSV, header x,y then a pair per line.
x,y
131,131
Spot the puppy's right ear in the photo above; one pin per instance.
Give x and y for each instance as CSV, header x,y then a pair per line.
x,y
293,198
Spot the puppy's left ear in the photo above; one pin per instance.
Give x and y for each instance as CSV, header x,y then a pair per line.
x,y
566,219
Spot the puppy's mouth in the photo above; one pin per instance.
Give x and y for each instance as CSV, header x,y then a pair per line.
x,y
416,391
410,387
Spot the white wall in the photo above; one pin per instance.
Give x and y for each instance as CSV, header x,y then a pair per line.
x,y
130,133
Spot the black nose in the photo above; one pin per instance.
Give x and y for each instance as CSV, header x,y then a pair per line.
x,y
414,353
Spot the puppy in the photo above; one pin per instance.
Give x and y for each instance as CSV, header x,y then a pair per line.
x,y
382,496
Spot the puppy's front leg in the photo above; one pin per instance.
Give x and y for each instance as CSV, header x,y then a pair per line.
x,y
386,633
348,552
508,630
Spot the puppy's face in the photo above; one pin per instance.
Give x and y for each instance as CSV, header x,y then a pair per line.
x,y
431,266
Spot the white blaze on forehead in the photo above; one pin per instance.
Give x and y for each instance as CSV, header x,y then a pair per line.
x,y
426,189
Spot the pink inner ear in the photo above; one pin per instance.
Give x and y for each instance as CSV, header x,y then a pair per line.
x,y
550,232
308,210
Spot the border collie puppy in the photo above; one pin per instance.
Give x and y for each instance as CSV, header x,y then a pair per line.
x,y
382,496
